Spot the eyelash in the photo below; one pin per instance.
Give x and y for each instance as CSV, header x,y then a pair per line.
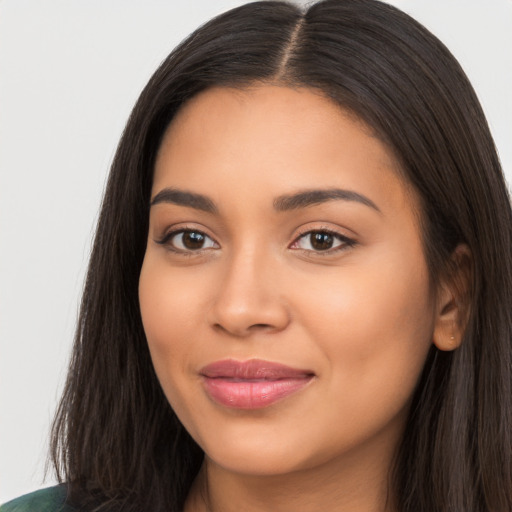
x,y
345,244
166,241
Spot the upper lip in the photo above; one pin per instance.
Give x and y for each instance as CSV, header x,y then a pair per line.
x,y
252,369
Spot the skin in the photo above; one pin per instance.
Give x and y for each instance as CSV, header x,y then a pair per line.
x,y
360,316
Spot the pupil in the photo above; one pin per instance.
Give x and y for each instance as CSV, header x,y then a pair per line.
x,y
193,240
321,241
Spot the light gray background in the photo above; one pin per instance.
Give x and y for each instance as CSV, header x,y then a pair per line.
x,y
70,71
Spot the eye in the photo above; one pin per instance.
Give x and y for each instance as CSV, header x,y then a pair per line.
x,y
322,241
188,240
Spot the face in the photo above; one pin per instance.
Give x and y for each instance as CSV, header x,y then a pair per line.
x,y
284,291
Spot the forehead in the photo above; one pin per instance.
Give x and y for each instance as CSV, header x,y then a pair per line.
x,y
272,138
301,112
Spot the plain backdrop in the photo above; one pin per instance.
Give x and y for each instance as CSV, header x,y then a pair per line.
x,y
70,71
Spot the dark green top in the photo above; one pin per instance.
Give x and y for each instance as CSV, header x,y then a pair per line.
x,y
51,499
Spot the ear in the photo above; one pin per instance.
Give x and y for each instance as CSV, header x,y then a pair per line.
x,y
453,300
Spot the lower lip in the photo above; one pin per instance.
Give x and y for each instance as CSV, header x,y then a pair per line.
x,y
252,394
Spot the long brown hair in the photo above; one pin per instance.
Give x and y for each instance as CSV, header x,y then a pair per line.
x,y
117,441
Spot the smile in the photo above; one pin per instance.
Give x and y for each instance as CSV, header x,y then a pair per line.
x,y
252,384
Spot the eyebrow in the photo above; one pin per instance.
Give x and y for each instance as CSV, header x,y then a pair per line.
x,y
313,197
185,198
281,204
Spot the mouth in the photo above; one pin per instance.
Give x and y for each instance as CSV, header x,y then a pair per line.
x,y
252,384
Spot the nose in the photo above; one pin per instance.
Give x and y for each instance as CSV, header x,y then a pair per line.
x,y
249,298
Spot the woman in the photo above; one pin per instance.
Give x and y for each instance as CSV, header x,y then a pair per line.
x,y
299,294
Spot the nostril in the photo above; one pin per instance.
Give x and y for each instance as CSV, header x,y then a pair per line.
x,y
243,331
260,326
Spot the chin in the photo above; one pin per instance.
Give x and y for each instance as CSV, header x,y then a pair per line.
x,y
251,460
256,449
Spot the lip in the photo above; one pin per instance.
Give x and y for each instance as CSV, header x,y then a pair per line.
x,y
252,384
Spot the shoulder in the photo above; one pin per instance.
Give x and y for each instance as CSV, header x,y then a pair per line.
x,y
51,499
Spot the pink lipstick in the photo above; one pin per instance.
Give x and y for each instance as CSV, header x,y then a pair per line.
x,y
252,384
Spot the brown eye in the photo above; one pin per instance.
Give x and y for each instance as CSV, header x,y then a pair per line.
x,y
193,240
187,240
322,241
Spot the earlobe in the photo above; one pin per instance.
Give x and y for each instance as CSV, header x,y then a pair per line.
x,y
448,329
453,300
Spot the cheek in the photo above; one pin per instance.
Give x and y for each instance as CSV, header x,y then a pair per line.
x,y
374,323
171,300
169,307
